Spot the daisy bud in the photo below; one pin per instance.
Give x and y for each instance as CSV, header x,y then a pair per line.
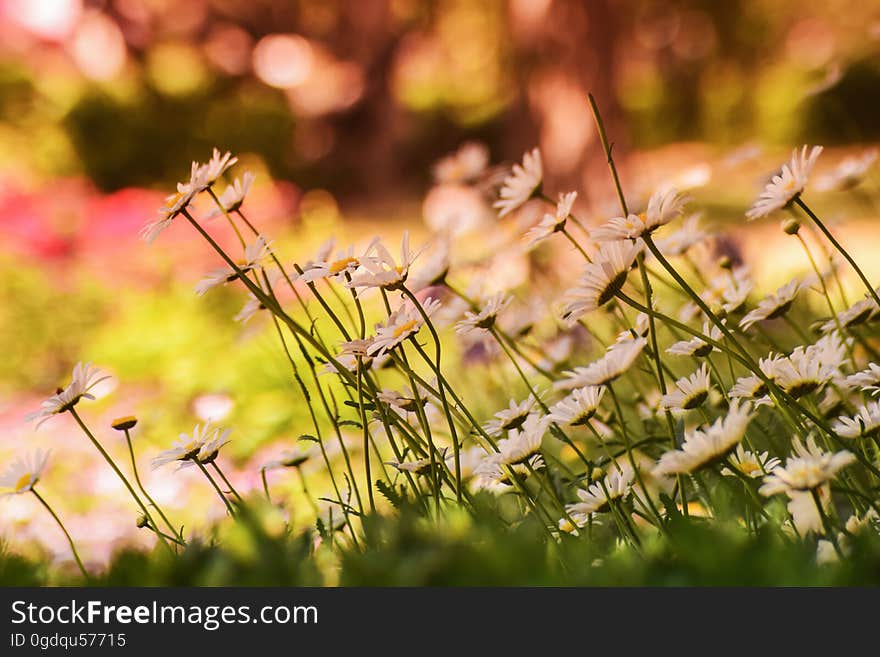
x,y
791,226
597,474
124,423
725,262
142,522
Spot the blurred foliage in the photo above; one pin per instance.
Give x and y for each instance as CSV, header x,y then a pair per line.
x,y
478,550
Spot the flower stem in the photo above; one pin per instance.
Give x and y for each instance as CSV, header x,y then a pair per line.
x,y
119,474
144,490
803,206
66,533
216,487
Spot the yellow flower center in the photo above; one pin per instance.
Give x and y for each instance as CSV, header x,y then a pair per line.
x,y
340,265
749,468
405,327
23,482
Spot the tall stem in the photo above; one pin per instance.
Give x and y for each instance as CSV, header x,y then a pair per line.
x,y
803,206
66,533
144,490
121,476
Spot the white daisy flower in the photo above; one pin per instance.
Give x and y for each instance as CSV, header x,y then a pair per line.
x,y
233,196
577,409
849,173
751,464
704,446
749,387
680,242
525,442
696,347
484,320
324,266
464,165
403,323
663,206
692,391
617,360
254,254
84,378
774,305
858,313
379,269
808,469
174,205
512,417
419,466
803,510
523,183
403,402
552,223
24,473
289,458
251,307
207,174
491,474
186,447
787,185
866,422
431,270
601,280
210,448
867,378
598,496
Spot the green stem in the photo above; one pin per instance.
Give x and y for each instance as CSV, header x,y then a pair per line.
x,y
216,487
144,490
119,474
66,533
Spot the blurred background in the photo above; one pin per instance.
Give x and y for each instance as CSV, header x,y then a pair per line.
x,y
341,108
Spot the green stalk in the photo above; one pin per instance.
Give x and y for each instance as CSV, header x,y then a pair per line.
x,y
48,508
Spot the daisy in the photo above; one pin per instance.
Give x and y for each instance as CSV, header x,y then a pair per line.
x,y
749,387
774,305
696,347
523,183
186,447
750,464
209,449
417,467
704,446
400,325
867,378
849,173
24,473
577,409
598,496
84,378
786,186
484,320
379,269
680,242
552,223
807,470
601,280
233,196
207,174
254,253
289,458
511,417
176,203
251,307
463,166
663,206
865,423
525,442
432,270
692,391
858,313
492,474
324,266
617,360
